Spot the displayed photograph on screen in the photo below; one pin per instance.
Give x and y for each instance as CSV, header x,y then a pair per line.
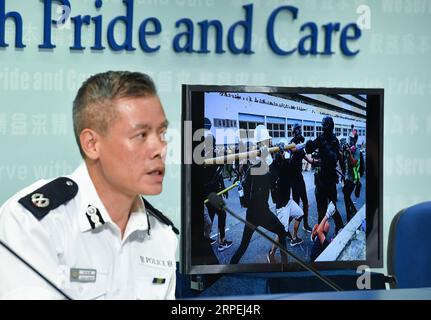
x,y
305,187
303,165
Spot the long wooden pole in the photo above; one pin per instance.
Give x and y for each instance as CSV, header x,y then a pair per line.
x,y
236,184
244,155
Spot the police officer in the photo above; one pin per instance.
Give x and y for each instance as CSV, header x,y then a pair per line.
x,y
260,177
327,178
92,233
298,185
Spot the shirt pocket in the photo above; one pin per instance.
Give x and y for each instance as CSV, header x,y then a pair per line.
x,y
154,283
91,290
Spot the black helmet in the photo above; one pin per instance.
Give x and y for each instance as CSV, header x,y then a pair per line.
x,y
207,123
327,124
296,130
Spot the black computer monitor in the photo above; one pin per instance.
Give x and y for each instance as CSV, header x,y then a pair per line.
x,y
228,117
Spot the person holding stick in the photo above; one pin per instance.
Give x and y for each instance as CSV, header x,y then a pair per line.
x,y
258,180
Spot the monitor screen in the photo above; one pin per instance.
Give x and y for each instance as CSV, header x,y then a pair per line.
x,y
301,164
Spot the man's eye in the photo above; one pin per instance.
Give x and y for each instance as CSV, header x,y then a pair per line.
x,y
163,136
142,135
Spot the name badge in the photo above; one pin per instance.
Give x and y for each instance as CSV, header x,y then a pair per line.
x,y
82,275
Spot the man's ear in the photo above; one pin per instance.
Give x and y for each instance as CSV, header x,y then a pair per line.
x,y
90,143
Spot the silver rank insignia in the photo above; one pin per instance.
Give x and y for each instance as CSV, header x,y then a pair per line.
x,y
39,200
49,197
94,217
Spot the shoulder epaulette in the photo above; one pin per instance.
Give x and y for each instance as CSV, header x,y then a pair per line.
x,y
160,216
49,197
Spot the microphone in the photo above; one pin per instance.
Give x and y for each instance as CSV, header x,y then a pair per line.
x,y
218,202
4,245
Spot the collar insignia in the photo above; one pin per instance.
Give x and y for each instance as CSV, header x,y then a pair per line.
x,y
94,217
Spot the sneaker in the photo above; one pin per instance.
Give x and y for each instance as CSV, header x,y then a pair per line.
x,y
296,241
270,257
306,228
288,235
225,245
211,240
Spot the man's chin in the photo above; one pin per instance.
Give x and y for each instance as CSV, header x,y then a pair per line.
x,y
152,191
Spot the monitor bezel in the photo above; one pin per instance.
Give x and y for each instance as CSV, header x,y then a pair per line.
x,y
374,178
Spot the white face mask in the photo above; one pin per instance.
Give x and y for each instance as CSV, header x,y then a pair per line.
x,y
269,160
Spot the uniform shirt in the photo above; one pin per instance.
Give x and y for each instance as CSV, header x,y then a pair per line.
x,y
79,248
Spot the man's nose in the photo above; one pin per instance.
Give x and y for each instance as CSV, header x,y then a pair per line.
x,y
157,146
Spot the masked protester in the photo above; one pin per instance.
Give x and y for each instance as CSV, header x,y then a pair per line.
x,y
352,156
258,180
327,178
298,185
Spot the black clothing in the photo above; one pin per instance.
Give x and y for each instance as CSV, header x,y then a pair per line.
x,y
324,194
283,184
258,211
318,248
329,148
266,219
348,188
202,252
299,192
326,179
358,189
296,160
214,182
